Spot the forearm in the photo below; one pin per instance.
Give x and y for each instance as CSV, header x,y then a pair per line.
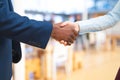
x,y
96,24
22,29
101,23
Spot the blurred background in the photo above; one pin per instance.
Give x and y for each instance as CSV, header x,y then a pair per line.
x,y
93,56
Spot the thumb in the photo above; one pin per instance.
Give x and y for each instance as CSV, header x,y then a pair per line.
x,y
64,24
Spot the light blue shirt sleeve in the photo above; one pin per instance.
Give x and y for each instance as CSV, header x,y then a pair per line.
x,y
102,22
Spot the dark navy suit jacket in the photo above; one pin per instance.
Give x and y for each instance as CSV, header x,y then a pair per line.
x,y
14,27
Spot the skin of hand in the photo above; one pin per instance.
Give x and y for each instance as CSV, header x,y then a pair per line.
x,y
70,24
68,34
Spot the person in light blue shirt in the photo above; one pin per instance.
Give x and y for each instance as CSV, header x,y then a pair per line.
x,y
102,22
96,24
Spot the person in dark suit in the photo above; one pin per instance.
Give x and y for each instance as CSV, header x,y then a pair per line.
x,y
15,29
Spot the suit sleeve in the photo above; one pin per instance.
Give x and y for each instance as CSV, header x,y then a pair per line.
x,y
22,29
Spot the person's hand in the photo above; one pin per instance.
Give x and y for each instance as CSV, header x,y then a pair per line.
x,y
66,33
70,24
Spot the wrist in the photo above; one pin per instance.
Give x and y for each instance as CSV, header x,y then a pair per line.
x,y
53,31
77,27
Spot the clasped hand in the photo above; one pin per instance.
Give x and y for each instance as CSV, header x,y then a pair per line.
x,y
65,32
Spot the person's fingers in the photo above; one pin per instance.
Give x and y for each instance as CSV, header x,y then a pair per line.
x,y
63,42
70,39
73,37
69,43
64,24
75,32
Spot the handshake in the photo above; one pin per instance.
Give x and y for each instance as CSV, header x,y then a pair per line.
x,y
65,32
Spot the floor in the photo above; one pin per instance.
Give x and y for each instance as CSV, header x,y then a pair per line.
x,y
96,65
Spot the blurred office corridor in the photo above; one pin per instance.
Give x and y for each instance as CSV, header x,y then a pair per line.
x,y
93,56
102,65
